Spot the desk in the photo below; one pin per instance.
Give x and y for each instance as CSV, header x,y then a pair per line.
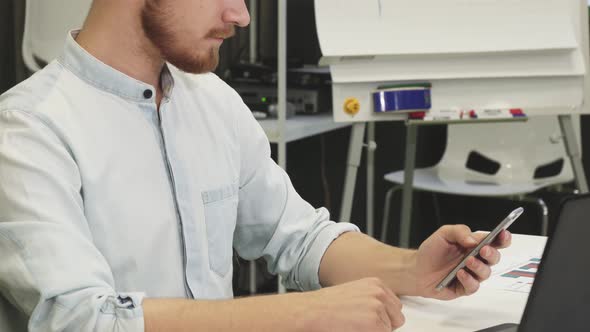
x,y
301,126
488,307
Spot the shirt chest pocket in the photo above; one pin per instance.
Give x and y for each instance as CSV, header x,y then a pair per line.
x,y
221,211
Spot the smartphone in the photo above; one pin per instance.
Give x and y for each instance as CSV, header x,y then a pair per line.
x,y
488,239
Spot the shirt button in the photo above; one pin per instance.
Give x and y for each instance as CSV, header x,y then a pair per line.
x,y
147,94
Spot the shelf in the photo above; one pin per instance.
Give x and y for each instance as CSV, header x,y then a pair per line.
x,y
301,126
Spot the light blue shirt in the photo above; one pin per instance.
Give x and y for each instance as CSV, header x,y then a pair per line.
x,y
104,202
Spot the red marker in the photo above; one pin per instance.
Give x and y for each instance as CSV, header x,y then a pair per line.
x,y
517,112
417,115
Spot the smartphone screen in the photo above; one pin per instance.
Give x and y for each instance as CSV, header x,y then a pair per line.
x,y
488,239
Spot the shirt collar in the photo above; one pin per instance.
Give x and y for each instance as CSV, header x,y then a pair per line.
x,y
106,78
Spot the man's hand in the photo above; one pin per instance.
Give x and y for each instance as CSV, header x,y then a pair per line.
x,y
364,305
442,251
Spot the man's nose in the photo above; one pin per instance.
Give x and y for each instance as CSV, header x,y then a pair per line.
x,y
236,13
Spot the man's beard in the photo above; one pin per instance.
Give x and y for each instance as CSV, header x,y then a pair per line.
x,y
159,29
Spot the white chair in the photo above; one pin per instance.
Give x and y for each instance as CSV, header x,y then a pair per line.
x,y
46,25
508,160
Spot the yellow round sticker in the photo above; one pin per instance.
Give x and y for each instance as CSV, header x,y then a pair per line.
x,y
352,106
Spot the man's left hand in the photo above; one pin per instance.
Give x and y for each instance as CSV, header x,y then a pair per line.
x,y
442,251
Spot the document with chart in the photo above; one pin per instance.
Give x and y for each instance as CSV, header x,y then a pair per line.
x,y
516,275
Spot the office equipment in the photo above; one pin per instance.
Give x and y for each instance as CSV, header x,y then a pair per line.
x,y
245,72
560,296
259,97
310,101
526,55
475,56
310,76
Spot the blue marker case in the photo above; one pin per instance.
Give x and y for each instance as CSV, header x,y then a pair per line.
x,y
402,98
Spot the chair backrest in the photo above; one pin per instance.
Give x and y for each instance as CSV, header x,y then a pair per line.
x,y
522,152
46,25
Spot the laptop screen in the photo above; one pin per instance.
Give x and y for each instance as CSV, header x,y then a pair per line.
x,y
560,298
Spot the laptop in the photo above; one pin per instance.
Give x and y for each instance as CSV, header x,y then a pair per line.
x,y
560,296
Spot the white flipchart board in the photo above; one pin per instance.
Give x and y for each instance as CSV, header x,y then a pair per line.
x,y
528,54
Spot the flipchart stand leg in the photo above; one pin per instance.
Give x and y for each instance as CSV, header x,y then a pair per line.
x,y
410,161
355,149
371,147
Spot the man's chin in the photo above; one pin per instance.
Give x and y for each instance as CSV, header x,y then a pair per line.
x,y
195,67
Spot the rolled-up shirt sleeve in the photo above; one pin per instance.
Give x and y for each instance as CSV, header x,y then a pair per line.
x,y
50,269
274,222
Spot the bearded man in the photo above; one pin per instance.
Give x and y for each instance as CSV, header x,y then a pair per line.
x,y
129,173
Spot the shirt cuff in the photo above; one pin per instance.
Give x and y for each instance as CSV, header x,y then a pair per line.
x,y
310,267
122,312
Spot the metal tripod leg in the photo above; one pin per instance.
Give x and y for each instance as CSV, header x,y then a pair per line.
x,y
405,226
355,149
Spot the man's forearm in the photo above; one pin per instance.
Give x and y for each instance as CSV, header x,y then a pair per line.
x,y
351,257
355,256
255,314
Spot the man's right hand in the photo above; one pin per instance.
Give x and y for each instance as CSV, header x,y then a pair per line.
x,y
363,305
366,305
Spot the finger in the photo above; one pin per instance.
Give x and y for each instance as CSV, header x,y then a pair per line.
x,y
385,319
399,321
459,234
490,255
468,282
480,270
384,297
396,317
394,309
503,240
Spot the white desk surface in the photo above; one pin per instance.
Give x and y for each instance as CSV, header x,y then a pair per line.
x,y
488,307
301,126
